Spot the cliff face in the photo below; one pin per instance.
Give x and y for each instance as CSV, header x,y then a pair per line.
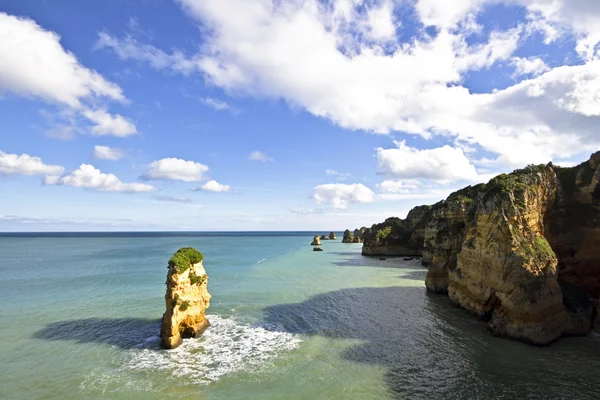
x,y
398,237
186,299
521,251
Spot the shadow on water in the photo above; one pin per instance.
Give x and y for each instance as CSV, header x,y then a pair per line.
x,y
431,349
126,333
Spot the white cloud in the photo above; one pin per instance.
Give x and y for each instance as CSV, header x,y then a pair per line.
x,y
339,195
259,156
33,63
88,177
24,164
399,187
218,105
533,66
214,186
108,153
441,164
129,48
339,175
107,124
380,21
267,49
176,169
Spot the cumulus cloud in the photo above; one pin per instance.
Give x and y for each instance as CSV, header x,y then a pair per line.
x,y
176,169
107,124
108,153
441,164
532,66
24,164
33,63
89,177
339,195
260,156
214,186
369,79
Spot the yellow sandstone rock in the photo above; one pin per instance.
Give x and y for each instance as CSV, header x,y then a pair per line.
x,y
186,299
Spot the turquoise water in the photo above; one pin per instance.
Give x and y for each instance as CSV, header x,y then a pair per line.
x,y
79,319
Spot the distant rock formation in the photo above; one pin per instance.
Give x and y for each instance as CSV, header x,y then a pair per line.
x,y
521,251
332,236
186,298
317,249
316,241
324,237
347,237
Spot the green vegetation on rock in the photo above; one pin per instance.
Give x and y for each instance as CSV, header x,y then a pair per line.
x,y
184,306
195,279
540,249
184,258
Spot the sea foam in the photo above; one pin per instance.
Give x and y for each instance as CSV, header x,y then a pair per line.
x,y
228,346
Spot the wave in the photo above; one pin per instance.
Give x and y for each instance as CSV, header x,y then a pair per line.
x,y
227,347
264,259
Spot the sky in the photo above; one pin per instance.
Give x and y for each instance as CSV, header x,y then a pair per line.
x,y
282,114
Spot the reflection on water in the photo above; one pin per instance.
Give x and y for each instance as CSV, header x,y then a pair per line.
x,y
433,350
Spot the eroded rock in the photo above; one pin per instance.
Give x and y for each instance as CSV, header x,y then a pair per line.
x,y
187,298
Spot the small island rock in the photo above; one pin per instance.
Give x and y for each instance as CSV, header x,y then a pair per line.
x,y
316,241
186,298
347,236
317,249
332,236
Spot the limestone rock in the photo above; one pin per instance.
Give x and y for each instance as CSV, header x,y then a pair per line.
x,y
332,236
317,249
186,298
521,251
316,241
347,237
324,237
398,237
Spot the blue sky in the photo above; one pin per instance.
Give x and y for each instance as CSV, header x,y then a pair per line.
x,y
286,115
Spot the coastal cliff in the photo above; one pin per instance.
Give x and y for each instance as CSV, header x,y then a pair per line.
x,y
186,298
520,251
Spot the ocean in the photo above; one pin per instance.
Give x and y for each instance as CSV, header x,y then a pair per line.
x,y
80,315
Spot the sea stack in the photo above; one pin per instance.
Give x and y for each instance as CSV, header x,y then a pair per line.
x,y
332,236
186,299
316,241
347,237
324,237
357,238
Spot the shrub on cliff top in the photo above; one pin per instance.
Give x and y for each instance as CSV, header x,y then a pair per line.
x,y
184,258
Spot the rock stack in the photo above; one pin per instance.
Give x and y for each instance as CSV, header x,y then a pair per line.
x,y
186,298
316,241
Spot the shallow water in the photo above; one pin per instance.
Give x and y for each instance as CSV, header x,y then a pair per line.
x,y
80,319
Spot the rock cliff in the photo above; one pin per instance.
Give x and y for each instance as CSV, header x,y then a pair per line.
x,y
520,251
186,298
347,236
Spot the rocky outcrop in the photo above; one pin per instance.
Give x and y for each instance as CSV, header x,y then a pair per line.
x,y
520,251
324,237
316,241
332,236
186,298
347,237
317,249
398,237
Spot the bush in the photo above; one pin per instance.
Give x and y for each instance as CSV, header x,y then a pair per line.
x,y
195,279
184,258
